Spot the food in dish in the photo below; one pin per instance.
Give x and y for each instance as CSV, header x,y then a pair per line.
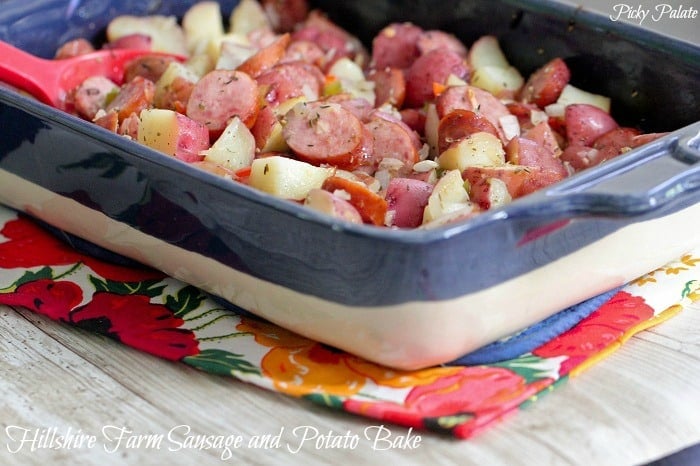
x,y
418,131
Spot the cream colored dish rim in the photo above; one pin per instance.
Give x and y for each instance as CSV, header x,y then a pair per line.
x,y
407,336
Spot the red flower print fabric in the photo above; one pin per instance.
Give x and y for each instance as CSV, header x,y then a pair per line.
x,y
149,311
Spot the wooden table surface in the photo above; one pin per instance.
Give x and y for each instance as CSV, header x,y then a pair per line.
x,y
641,403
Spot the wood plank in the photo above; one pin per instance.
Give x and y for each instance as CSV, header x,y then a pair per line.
x,y
637,405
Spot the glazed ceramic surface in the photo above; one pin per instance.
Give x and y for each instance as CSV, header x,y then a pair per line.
x,y
396,295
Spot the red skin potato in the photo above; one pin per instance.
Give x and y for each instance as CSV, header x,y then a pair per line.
x,y
407,198
519,180
433,67
526,152
396,46
265,58
326,202
585,123
193,137
545,85
389,86
435,39
611,144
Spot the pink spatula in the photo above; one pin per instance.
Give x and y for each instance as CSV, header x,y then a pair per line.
x,y
50,80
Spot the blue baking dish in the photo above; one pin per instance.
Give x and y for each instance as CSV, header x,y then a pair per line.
x,y
407,299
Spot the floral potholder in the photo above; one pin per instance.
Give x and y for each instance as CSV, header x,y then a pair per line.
x,y
149,311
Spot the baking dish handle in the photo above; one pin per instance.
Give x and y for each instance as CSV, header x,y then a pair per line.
x,y
653,177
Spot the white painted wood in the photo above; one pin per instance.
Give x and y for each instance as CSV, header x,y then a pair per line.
x,y
641,403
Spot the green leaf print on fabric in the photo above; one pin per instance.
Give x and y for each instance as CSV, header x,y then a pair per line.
x,y
145,288
323,399
533,368
188,299
29,276
221,362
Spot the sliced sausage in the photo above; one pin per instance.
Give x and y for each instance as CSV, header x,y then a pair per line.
x,y
361,108
333,40
175,95
221,95
265,58
133,97
371,206
288,80
459,124
325,132
330,204
109,120
150,67
393,139
477,100
543,135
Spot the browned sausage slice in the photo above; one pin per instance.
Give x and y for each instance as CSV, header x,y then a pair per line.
x,y
150,67
393,139
459,124
133,97
324,132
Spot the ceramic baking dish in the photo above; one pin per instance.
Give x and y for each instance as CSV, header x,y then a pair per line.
x,y
406,299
